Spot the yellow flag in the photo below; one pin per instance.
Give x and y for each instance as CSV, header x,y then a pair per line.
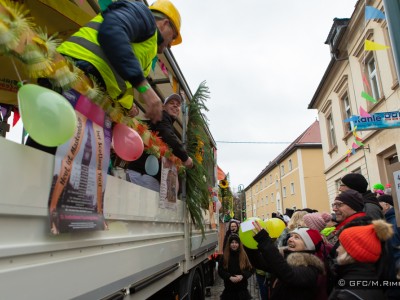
x,y
371,46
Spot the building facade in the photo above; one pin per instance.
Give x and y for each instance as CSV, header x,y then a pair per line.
x,y
353,72
294,179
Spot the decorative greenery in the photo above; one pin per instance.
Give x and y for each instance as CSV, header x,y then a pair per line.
x,y
20,38
197,180
226,199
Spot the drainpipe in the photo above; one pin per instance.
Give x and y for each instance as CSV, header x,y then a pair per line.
x,y
280,185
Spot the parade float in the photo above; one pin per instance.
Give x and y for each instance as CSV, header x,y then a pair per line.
x,y
69,230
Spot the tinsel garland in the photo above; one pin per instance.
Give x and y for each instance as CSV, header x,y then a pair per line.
x,y
197,179
19,38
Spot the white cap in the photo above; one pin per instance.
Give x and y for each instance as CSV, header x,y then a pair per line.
x,y
173,97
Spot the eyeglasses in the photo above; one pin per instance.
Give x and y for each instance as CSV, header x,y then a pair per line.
x,y
174,30
337,204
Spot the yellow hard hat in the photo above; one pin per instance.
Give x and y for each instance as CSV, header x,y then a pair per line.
x,y
167,8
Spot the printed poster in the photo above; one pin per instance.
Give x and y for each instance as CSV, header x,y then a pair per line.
x,y
80,171
169,184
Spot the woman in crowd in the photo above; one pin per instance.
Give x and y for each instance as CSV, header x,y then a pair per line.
x,y
300,273
233,228
359,251
235,268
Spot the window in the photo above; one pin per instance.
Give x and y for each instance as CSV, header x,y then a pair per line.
x,y
292,188
270,178
266,200
284,192
282,170
337,185
265,182
272,197
290,165
357,171
331,131
277,184
373,78
346,111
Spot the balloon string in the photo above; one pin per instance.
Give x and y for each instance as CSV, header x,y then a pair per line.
x,y
16,70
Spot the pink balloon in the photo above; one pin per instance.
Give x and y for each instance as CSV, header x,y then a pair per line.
x,y
218,205
90,110
127,142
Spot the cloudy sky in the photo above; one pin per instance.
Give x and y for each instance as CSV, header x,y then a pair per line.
x,y
262,61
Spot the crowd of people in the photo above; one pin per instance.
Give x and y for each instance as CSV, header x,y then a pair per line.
x,y
352,253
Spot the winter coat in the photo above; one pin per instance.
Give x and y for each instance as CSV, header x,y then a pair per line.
x,y
333,237
300,276
356,271
371,206
234,291
393,250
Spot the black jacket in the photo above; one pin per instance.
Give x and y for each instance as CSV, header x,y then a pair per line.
x,y
232,290
356,271
125,22
372,207
165,129
299,276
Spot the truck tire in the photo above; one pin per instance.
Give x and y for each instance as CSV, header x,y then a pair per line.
x,y
196,287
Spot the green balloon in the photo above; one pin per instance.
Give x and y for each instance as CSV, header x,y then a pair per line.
x,y
246,237
47,116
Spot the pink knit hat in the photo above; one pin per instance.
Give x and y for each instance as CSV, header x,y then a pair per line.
x,y
317,221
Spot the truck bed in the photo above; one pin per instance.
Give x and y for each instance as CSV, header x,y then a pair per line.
x,y
143,240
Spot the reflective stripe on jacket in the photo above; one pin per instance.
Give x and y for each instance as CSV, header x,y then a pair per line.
x,y
83,45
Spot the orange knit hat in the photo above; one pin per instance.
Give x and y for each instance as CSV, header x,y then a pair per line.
x,y
363,243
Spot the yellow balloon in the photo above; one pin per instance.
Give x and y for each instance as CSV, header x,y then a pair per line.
x,y
247,237
275,226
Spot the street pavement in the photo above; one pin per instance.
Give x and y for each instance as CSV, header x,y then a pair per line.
x,y
218,287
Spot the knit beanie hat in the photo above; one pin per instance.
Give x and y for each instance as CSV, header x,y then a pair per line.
x,y
378,186
386,198
310,237
356,182
363,243
351,198
317,221
234,237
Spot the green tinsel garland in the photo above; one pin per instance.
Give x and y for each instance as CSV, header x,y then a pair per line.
x,y
197,180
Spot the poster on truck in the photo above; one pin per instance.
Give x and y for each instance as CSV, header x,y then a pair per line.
x,y
80,172
169,184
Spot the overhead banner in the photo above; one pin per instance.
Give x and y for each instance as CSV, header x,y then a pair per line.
x,y
379,120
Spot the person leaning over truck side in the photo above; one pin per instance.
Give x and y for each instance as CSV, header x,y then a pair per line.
x,y
136,171
117,48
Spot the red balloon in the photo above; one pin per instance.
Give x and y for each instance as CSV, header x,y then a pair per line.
x,y
127,142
